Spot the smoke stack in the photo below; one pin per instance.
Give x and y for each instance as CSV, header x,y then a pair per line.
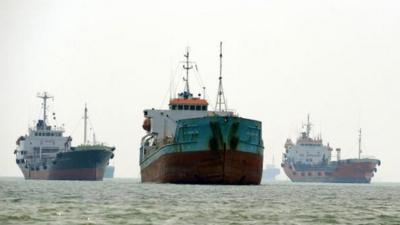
x,y
338,154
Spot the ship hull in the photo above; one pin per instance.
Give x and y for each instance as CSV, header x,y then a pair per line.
x,y
74,165
208,150
205,167
344,171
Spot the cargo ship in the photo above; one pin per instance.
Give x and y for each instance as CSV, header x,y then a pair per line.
x,y
109,172
309,160
46,154
190,144
271,171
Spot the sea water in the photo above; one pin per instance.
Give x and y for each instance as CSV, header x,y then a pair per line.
x,y
127,201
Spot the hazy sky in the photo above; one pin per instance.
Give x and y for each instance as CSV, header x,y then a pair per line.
x,y
338,60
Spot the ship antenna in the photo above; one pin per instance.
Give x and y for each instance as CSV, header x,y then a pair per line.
x,y
187,67
44,96
85,117
220,95
359,144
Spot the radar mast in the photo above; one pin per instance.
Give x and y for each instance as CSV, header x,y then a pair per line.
x,y
44,96
308,126
187,67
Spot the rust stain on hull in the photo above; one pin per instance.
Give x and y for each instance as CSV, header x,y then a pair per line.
x,y
205,167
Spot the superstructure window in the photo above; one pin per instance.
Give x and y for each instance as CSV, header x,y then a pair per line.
x,y
204,108
173,107
180,107
198,108
192,107
186,107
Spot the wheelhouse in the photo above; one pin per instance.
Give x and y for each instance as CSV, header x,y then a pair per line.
x,y
192,104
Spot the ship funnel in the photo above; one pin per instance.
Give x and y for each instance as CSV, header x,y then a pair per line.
x,y
338,154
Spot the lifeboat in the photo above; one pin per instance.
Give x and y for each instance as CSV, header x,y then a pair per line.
x,y
147,125
21,138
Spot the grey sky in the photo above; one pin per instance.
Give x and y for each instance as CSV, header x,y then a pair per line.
x,y
337,60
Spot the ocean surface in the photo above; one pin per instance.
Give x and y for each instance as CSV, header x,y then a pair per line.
x,y
127,201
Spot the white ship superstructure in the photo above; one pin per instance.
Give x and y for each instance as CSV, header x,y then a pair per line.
x,y
42,143
307,150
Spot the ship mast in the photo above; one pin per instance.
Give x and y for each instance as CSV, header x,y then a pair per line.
x,y
220,96
94,138
44,96
85,117
187,67
359,144
308,125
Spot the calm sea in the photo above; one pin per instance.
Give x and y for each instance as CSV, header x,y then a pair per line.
x,y
126,201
